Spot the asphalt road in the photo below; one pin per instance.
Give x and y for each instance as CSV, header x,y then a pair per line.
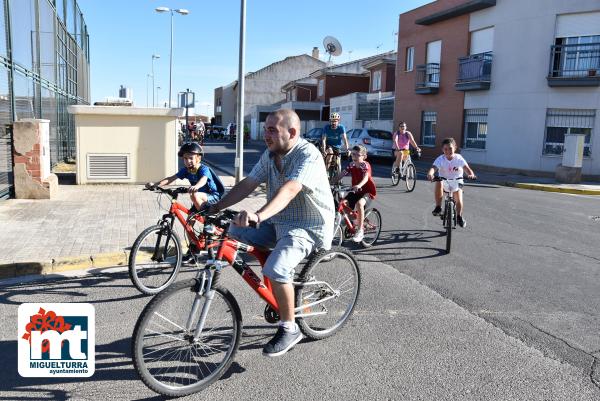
x,y
528,262
404,342
510,314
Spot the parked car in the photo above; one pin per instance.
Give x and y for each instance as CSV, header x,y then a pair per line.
x,y
314,136
377,141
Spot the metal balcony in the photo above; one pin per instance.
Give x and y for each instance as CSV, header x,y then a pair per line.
x,y
428,79
574,65
474,72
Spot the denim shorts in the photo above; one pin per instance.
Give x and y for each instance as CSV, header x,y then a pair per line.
x,y
213,198
286,254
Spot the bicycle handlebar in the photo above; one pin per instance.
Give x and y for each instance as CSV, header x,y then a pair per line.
x,y
438,178
172,192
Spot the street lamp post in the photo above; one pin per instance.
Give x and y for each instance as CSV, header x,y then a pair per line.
x,y
239,148
153,57
148,76
157,89
181,11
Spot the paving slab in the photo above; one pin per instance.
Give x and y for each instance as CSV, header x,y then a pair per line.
x,y
84,226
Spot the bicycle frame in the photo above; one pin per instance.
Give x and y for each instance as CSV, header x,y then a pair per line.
x,y
228,255
449,202
347,214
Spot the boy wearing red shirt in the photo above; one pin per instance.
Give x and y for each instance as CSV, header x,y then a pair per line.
x,y
363,187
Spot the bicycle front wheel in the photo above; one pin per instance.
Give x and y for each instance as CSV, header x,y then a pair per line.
x,y
155,259
448,223
338,235
395,175
371,227
410,179
165,354
326,292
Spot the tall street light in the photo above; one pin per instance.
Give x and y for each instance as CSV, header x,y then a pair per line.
x,y
239,148
148,76
153,57
157,89
181,11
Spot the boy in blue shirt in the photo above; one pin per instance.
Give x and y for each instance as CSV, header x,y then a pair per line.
x,y
204,187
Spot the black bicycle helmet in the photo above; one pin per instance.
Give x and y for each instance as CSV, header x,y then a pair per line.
x,y
190,147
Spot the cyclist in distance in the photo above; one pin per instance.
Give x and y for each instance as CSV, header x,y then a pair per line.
x,y
450,165
333,134
402,140
363,186
297,218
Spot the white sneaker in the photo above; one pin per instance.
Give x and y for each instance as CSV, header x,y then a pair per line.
x,y
358,236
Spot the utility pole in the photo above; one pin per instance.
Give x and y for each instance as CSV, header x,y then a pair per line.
x,y
239,149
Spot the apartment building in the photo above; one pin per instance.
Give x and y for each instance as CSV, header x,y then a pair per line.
x,y
507,79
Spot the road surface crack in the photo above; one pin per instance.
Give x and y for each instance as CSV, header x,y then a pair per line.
x,y
595,381
501,241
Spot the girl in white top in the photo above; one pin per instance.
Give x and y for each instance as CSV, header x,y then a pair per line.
x,y
450,165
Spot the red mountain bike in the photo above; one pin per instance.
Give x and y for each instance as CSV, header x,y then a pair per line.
x,y
345,218
188,335
155,258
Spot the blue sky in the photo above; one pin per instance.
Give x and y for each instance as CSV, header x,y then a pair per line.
x,y
124,34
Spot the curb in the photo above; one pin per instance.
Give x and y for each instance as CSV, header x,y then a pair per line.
x,y
10,270
553,188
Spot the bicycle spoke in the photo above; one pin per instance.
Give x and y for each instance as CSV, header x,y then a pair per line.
x,y
174,324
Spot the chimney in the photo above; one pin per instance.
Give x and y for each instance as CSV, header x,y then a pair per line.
x,y
315,52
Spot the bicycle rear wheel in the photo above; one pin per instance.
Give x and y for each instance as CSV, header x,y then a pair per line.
x,y
448,223
410,179
371,227
326,293
395,176
155,259
165,355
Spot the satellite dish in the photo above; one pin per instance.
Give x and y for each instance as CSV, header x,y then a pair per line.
x,y
333,47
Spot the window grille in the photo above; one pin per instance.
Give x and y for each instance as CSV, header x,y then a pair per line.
x,y
560,122
475,132
428,127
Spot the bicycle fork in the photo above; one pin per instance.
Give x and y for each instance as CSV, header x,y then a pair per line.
x,y
204,290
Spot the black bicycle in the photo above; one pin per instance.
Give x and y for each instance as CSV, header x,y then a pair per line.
x,y
449,216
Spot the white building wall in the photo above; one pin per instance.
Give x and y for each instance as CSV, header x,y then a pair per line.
x,y
263,87
519,94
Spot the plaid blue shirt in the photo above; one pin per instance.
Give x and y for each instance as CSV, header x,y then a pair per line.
x,y
311,213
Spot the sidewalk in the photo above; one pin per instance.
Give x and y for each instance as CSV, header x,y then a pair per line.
x,y
85,226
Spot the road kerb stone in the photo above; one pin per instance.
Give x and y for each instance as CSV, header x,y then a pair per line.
x,y
554,188
103,260
16,269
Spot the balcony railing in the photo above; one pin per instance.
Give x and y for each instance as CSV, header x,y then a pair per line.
x,y
428,78
575,65
474,72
